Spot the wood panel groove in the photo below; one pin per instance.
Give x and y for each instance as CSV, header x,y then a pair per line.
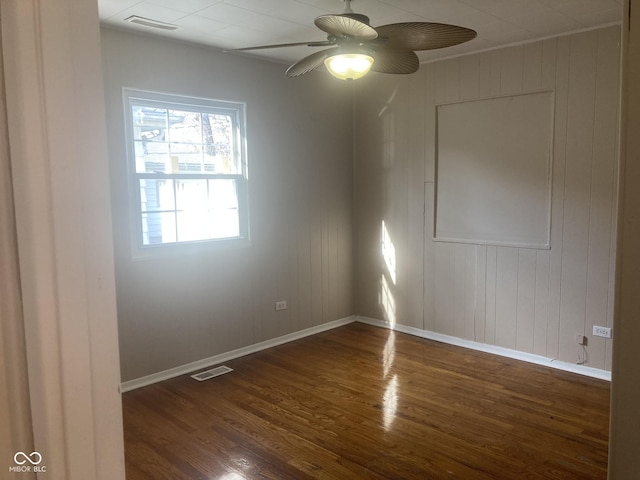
x,y
364,402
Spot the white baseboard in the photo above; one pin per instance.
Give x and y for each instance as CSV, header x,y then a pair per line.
x,y
225,357
483,347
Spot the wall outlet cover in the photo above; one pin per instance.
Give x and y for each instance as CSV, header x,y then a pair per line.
x,y
599,331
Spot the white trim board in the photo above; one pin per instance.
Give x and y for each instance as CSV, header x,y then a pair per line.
x,y
460,342
225,357
493,349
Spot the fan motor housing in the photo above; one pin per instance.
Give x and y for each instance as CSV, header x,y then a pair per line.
x,y
358,16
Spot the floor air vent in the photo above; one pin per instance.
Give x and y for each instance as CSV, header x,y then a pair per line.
x,y
214,372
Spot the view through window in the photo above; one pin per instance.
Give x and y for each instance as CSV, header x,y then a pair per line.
x,y
188,162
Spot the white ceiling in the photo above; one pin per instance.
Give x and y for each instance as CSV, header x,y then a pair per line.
x,y
227,24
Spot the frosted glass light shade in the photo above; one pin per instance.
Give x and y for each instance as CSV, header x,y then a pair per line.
x,y
349,66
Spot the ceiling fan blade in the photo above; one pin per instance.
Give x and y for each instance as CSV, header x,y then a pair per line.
x,y
345,26
322,43
309,63
395,61
423,35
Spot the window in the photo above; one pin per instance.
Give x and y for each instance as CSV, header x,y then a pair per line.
x,y
188,167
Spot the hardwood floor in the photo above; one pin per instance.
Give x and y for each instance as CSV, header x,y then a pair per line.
x,y
360,402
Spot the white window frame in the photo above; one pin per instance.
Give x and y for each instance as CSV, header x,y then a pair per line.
x,y
237,111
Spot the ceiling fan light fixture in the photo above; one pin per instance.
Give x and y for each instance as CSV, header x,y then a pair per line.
x,y
349,66
353,44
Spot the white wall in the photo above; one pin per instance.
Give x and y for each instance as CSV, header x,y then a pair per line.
x,y
181,309
534,301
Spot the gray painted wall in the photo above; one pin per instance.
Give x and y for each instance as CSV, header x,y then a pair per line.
x,y
534,301
180,309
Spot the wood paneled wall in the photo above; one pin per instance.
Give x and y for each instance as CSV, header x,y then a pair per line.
x,y
534,301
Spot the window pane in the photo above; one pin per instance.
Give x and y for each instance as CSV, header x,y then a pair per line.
x,y
185,136
186,158
223,194
193,225
151,157
149,123
220,145
223,204
158,228
205,225
185,127
207,209
225,224
191,195
156,195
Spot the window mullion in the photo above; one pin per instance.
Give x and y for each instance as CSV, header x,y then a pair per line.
x,y
175,208
202,143
189,176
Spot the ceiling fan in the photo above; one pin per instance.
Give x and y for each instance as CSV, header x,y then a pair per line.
x,y
355,47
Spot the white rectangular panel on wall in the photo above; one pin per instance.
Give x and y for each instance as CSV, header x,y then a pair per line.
x,y
493,170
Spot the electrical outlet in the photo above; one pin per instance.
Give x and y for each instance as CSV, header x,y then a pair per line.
x,y
281,305
602,331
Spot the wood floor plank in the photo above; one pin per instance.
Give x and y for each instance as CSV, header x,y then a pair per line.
x,y
360,402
